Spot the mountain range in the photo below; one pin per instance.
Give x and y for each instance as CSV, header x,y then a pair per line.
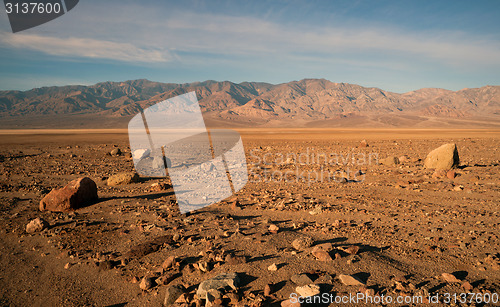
x,y
304,103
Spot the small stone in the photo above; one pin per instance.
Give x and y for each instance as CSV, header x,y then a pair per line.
x,y
467,286
321,255
302,243
273,267
316,211
146,283
450,278
451,174
140,154
123,178
350,280
327,247
36,225
169,262
290,303
301,279
172,293
220,281
273,229
67,265
235,205
267,290
353,250
308,290
390,161
363,144
116,152
232,259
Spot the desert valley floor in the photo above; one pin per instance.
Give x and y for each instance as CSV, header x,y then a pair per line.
x,y
391,229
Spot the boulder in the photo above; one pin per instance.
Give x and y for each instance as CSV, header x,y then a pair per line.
x,y
444,157
76,194
123,178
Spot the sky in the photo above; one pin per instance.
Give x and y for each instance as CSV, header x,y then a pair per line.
x,y
397,46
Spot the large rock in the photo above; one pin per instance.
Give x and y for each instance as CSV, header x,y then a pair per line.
x,y
218,282
444,157
76,194
123,178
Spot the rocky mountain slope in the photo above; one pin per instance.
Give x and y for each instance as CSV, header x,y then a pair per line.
x,y
309,102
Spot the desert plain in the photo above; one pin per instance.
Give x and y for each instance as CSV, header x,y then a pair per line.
x,y
375,228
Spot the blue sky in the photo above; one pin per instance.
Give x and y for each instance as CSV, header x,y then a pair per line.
x,y
394,45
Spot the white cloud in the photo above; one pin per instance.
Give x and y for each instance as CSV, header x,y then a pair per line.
x,y
84,47
151,33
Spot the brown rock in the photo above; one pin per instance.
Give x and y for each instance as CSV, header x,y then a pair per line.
x,y
290,303
302,243
353,250
321,255
116,152
76,194
146,283
467,286
450,278
172,293
350,280
35,225
267,290
123,178
169,262
363,144
273,229
444,157
451,174
390,161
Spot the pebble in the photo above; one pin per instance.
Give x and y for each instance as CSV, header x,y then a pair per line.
x,y
273,229
273,267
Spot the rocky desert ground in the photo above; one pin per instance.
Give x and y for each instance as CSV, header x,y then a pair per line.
x,y
327,213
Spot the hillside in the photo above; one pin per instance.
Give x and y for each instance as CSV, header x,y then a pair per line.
x,y
305,103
